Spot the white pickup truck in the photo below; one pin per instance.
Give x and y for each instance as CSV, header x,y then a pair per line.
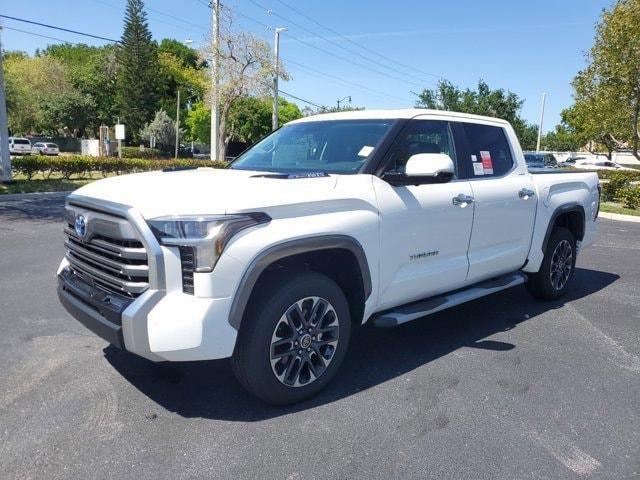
x,y
330,222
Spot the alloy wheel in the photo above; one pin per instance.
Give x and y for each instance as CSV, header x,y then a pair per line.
x,y
304,342
561,265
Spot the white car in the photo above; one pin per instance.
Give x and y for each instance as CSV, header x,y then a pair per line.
x,y
19,146
600,165
328,223
45,148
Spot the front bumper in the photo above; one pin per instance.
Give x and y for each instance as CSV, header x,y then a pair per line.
x,y
99,312
157,325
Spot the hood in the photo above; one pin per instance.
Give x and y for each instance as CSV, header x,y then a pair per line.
x,y
207,191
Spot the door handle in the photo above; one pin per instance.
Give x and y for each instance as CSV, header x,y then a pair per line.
x,y
462,200
526,193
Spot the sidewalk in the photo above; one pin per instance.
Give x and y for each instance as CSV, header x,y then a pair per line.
x,y
619,217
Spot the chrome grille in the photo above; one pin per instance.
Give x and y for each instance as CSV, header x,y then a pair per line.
x,y
103,259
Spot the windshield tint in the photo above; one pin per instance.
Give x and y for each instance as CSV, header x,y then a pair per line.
x,y
20,141
332,146
52,145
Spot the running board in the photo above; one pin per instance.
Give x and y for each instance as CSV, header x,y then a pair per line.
x,y
412,311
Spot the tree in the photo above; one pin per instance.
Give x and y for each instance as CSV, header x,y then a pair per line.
x,y
246,68
92,71
163,129
249,119
137,57
69,112
30,84
483,101
173,75
607,91
562,139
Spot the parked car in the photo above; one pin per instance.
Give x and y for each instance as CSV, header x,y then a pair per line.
x,y
45,148
540,160
600,165
330,222
573,160
19,146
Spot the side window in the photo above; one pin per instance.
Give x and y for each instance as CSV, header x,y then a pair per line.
x,y
421,136
489,150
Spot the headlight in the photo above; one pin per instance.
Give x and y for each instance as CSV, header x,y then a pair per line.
x,y
208,235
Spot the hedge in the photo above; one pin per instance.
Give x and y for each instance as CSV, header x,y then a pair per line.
x,y
135,153
79,165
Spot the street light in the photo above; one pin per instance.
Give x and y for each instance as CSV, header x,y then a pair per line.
x,y
348,97
276,46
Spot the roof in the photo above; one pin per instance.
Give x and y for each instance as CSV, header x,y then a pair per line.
x,y
394,114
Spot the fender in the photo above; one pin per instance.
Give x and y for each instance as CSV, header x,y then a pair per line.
x,y
287,249
561,210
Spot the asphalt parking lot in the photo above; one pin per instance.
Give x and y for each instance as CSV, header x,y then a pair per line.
x,y
501,388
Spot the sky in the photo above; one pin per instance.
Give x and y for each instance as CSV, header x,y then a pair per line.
x,y
380,53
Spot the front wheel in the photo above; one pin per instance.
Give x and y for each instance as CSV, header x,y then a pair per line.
x,y
558,265
293,338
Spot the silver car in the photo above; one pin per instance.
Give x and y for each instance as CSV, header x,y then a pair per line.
x,y
42,148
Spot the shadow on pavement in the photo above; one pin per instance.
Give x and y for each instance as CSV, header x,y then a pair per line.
x,y
43,207
209,390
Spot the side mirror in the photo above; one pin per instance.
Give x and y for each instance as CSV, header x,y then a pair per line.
x,y
423,168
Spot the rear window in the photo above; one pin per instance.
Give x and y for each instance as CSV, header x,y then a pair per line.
x,y
489,150
52,145
20,141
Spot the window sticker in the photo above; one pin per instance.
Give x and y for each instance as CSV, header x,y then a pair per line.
x,y
474,158
487,164
365,151
478,169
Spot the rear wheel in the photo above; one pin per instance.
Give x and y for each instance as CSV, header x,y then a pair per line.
x,y
293,339
558,265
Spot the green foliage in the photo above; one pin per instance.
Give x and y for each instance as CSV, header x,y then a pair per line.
x,y
187,55
71,111
82,166
92,71
630,196
135,152
137,56
611,189
628,174
198,122
30,84
563,138
163,129
482,101
607,91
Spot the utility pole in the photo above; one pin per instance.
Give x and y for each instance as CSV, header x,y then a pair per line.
x,y
178,123
4,125
544,98
348,97
276,46
215,121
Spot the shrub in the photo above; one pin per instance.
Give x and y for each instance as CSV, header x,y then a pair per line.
x,y
628,174
135,152
630,196
617,181
79,165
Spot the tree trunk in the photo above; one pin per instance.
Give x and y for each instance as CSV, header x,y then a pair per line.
x,y
636,130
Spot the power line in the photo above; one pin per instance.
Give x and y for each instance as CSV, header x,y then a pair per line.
x,y
36,34
351,51
302,100
356,43
59,28
345,82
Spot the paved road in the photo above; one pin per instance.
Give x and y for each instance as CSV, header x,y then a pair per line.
x,y
501,388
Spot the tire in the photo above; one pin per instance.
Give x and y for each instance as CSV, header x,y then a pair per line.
x,y
560,257
270,353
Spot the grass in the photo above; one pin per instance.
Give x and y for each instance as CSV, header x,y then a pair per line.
x,y
40,184
613,207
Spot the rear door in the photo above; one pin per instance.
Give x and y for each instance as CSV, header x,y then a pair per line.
x,y
505,203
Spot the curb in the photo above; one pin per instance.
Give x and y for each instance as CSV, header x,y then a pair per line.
x,y
619,217
26,196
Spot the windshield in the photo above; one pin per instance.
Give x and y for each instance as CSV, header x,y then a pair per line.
x,y
332,146
20,141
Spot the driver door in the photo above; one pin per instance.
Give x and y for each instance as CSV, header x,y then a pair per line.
x,y
425,233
